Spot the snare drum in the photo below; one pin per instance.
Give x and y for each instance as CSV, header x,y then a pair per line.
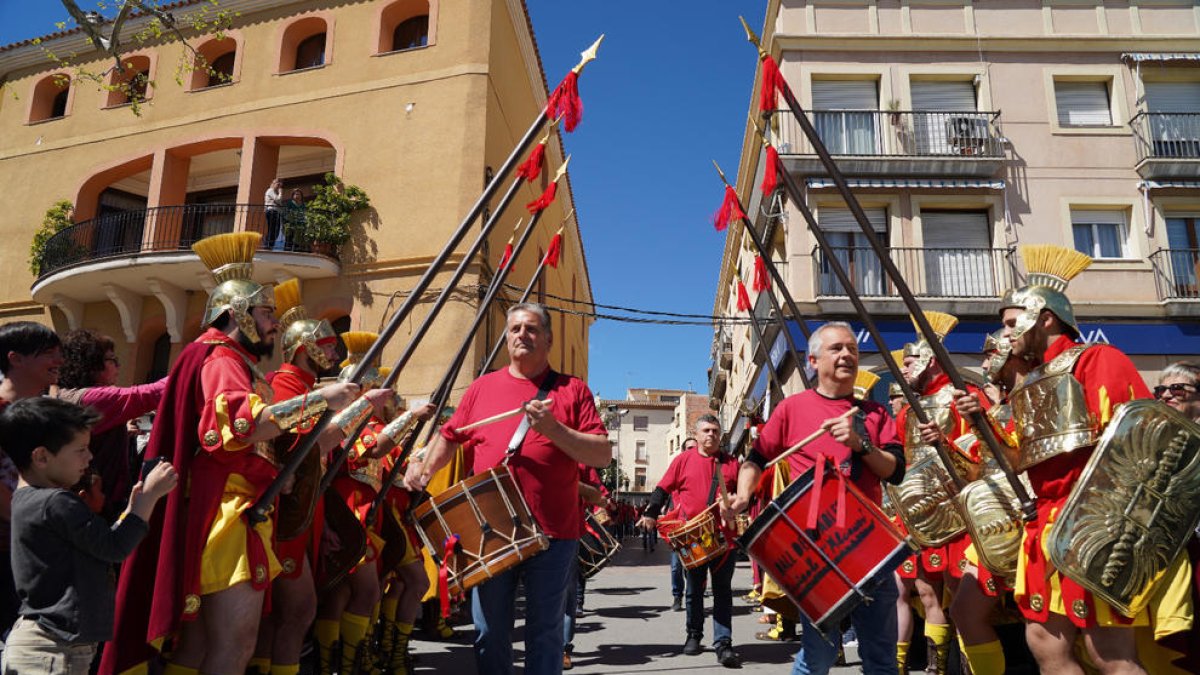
x,y
596,547
492,521
826,572
698,540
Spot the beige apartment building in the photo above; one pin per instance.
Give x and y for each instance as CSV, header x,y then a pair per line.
x,y
966,129
646,430
418,102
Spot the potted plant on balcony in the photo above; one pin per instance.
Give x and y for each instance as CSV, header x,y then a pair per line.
x,y
325,225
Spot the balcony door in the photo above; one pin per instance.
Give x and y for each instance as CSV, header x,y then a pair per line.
x,y
1183,242
958,255
845,113
853,250
1174,118
937,129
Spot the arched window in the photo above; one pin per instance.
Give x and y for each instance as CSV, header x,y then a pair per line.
x,y
411,33
216,62
221,69
50,98
132,83
160,360
405,24
304,44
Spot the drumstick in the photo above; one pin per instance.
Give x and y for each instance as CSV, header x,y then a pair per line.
x,y
810,438
497,418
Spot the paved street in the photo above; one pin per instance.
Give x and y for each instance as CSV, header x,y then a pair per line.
x,y
628,627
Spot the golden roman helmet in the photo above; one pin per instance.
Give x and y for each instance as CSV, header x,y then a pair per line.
x,y
942,324
230,258
999,348
358,342
1050,268
300,331
894,390
863,383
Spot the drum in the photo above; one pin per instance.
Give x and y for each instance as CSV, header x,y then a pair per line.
x,y
602,516
741,523
492,521
827,571
698,540
596,547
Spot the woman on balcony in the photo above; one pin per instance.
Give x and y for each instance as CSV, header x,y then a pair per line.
x,y
293,219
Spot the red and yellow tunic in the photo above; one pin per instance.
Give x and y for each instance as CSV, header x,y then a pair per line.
x,y
1108,379
358,484
290,382
399,499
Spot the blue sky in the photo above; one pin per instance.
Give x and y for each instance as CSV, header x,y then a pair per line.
x,y
668,94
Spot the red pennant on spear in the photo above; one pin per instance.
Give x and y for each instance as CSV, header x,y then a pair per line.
x,y
547,197
729,210
761,279
564,101
771,173
531,168
743,298
772,79
554,250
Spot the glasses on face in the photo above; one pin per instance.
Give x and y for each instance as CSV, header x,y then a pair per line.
x,y
1178,390
113,360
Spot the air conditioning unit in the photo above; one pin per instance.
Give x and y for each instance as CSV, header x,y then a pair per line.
x,y
967,134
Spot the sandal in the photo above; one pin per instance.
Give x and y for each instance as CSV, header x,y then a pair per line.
x,y
767,618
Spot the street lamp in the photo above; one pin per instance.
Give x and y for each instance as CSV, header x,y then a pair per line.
x,y
617,413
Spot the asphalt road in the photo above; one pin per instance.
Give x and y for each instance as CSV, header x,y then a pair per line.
x,y
627,627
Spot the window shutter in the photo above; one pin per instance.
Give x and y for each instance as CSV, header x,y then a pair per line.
x,y
955,229
841,220
1173,97
958,260
1082,104
1098,217
845,95
943,96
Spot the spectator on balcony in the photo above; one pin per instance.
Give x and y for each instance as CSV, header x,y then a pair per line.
x,y
88,377
273,201
293,217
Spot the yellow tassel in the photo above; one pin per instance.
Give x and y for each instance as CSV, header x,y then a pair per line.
x,y
384,371
288,304
941,323
228,255
863,383
898,357
357,342
1059,262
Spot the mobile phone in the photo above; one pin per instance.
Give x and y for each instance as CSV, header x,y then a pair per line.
x,y
148,466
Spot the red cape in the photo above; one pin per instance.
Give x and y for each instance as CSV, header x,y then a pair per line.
x,y
150,591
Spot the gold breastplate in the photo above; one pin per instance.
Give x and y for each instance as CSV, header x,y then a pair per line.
x,y
367,471
937,407
1050,411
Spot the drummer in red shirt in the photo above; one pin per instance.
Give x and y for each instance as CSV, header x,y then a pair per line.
x,y
692,482
562,434
866,449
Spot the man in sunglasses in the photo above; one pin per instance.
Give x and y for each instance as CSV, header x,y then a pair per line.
x,y
1177,387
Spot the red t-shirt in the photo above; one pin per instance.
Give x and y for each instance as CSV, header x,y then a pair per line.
x,y
689,479
547,476
802,414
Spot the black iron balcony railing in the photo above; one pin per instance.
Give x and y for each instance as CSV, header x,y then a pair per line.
x,y
1166,135
1175,271
903,133
930,272
173,228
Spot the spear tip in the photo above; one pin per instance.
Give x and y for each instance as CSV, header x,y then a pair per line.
x,y
720,172
588,55
752,38
570,214
562,170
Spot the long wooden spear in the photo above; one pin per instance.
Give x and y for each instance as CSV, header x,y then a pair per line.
x,y
778,282
776,386
260,511
533,280
978,420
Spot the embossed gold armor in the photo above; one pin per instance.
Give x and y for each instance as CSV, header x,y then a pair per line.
x,y
298,411
994,521
1050,411
367,470
937,407
1134,508
924,503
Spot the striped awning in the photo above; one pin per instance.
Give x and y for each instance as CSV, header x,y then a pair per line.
x,y
1138,57
932,183
1169,185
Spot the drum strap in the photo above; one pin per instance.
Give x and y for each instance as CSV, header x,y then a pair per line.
x,y
712,490
518,436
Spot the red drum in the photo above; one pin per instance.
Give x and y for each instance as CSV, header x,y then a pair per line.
x,y
828,570
596,547
489,516
698,540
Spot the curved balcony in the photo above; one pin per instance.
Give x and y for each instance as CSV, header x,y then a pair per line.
x,y
123,257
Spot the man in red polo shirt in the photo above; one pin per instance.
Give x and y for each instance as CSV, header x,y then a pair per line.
x,y
562,434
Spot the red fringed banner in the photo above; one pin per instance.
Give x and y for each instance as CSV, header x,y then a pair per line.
x,y
545,200
565,102
508,250
554,251
728,211
531,168
743,298
762,280
772,83
771,173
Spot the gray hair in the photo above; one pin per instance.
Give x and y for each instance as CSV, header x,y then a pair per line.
x,y
815,342
535,308
706,418
1185,369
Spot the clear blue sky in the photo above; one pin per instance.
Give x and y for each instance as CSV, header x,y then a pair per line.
x,y
668,94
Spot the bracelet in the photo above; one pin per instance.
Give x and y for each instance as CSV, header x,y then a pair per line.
x,y
867,449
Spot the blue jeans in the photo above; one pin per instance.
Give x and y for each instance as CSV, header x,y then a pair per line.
x,y
722,614
875,624
677,586
493,602
572,601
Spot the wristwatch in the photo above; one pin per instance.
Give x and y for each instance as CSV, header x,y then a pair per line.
x,y
867,448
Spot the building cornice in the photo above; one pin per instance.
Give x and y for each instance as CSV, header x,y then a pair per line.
x,y
973,43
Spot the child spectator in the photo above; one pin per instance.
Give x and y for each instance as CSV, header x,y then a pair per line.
x,y
62,552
